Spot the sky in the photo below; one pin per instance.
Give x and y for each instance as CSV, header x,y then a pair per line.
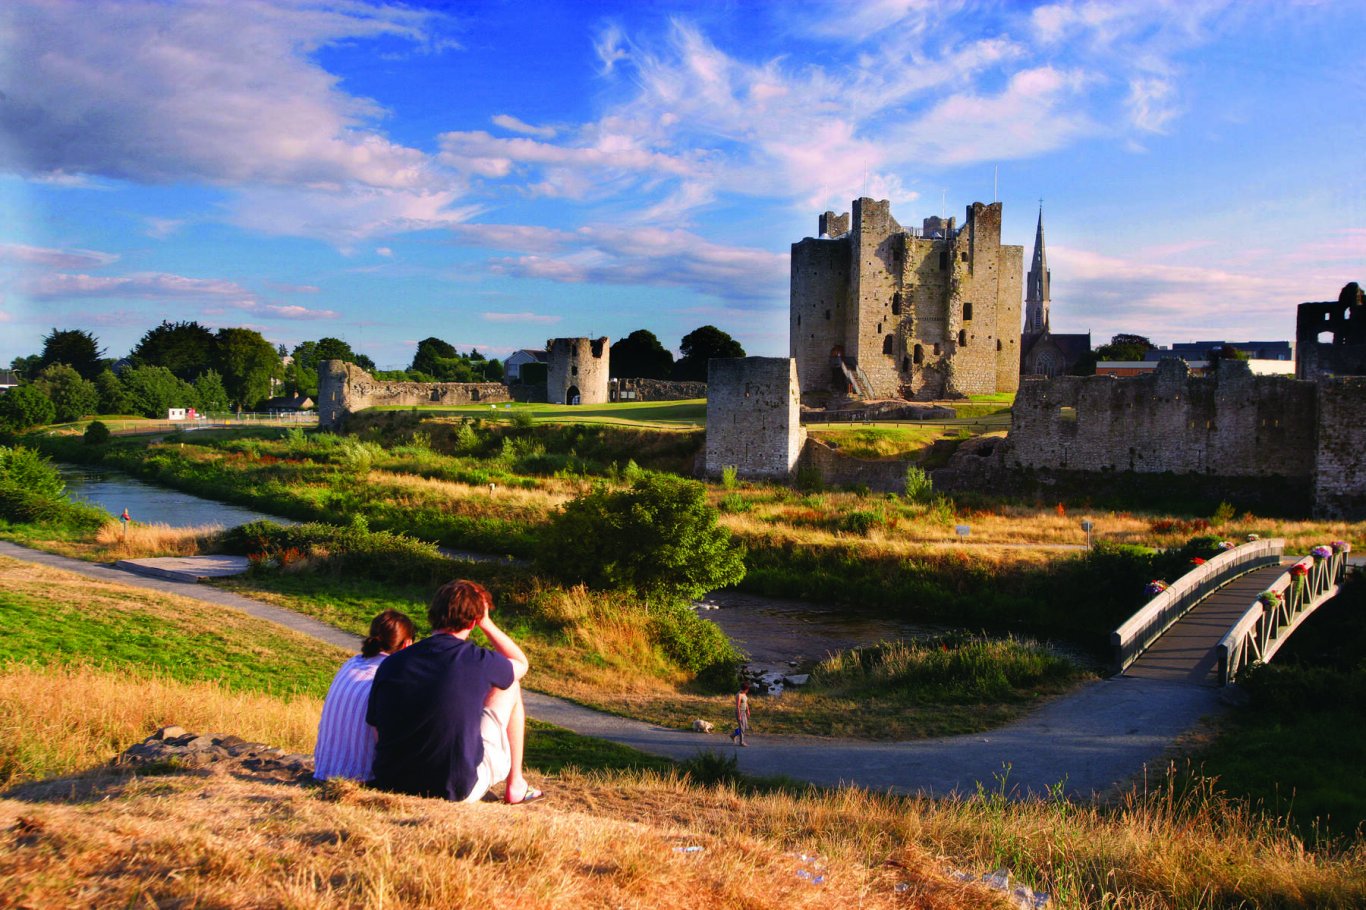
x,y
498,173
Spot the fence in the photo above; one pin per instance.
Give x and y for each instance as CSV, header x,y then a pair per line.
x,y
1143,628
1259,633
214,422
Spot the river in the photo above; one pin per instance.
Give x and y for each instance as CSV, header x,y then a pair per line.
x,y
147,503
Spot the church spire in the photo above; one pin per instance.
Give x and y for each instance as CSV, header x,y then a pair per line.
x,y
1036,285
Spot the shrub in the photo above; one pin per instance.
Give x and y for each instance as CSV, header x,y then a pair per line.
x,y
730,477
97,433
659,539
809,479
32,492
859,521
381,555
733,503
26,406
695,644
919,487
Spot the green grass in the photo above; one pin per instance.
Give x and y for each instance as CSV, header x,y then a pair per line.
x,y
110,626
551,749
659,414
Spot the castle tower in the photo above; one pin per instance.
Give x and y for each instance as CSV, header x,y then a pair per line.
x,y
1036,285
577,370
879,311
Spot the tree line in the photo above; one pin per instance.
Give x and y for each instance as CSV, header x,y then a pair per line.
x,y
187,365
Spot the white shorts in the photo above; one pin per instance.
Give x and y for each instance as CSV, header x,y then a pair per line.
x,y
497,763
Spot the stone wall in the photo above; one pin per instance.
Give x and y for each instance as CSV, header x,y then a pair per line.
x,y
344,388
1340,469
753,417
1232,423
577,368
926,314
656,390
836,469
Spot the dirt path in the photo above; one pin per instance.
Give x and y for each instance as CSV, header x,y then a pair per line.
x,y
1104,734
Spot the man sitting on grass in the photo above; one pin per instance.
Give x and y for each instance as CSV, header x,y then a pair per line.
x,y
449,713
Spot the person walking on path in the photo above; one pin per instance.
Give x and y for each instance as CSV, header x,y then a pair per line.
x,y
741,715
346,743
449,713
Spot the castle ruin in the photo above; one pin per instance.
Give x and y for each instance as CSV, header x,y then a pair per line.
x,y
344,388
878,311
1330,337
753,417
577,370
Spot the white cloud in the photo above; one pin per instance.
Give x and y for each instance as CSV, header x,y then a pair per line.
x,y
142,285
297,312
54,258
514,125
609,254
136,90
384,251
534,318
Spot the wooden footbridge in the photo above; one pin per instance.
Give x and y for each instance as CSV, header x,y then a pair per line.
x,y
1236,609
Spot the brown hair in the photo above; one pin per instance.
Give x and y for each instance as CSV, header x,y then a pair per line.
x,y
388,630
458,605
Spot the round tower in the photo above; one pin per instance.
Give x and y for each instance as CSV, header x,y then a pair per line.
x,y
576,371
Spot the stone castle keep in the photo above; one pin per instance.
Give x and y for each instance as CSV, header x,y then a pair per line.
x,y
878,311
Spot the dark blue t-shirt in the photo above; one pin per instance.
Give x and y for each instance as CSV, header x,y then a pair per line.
x,y
427,702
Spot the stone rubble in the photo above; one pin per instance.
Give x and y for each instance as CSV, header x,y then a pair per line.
x,y
179,747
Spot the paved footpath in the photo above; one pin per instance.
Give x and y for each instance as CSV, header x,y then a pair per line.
x,y
1103,734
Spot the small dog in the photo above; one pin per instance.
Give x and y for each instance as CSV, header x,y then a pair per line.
x,y
702,726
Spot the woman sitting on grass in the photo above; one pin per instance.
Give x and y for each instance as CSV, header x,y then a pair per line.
x,y
346,743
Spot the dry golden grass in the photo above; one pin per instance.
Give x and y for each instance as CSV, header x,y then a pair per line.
x,y
194,838
64,719
138,540
476,500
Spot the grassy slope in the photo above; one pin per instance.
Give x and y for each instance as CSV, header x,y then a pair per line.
x,y
52,618
192,838
659,414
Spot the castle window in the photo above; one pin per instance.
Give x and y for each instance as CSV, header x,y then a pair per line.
x,y
964,255
919,354
998,344
936,350
879,328
896,304
962,338
827,315
573,371
944,261
799,319
905,364
887,345
967,312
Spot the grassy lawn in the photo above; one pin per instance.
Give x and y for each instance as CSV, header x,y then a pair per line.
x,y
660,414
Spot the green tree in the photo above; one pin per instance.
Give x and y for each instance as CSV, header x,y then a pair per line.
x,y
26,406
209,394
247,363
154,390
113,396
701,345
435,358
71,396
1125,347
640,354
27,367
658,539
76,348
185,348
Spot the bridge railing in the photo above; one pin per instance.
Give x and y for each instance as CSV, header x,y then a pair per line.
x,y
1259,632
1143,628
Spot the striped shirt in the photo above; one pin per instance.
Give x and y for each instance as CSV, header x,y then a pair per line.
x,y
346,743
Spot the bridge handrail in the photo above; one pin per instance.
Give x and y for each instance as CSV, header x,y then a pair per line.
x,y
1255,635
1139,631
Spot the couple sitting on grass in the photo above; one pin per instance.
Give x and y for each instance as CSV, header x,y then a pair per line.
x,y
442,717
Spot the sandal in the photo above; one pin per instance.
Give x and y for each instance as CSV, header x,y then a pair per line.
x,y
530,796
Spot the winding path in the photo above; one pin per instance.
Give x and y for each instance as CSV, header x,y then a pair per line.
x,y
1104,734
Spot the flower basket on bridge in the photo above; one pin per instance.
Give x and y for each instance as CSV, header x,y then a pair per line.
x,y
1271,600
1322,553
1342,546
1197,561
1299,570
1155,588
1227,545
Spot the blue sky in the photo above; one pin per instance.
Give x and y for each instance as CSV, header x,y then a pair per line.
x,y
497,173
